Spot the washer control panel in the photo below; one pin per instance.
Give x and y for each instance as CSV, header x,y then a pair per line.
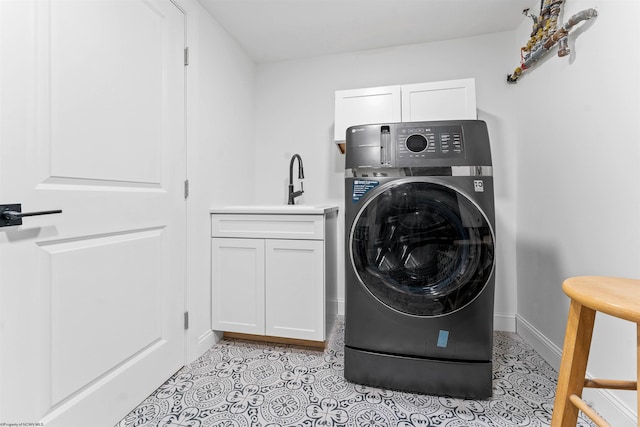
x,y
441,143
429,142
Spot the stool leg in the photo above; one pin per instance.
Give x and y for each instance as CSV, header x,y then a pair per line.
x,y
638,365
573,367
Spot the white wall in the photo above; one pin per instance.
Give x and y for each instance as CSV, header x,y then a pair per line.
x,y
295,114
578,204
220,91
565,146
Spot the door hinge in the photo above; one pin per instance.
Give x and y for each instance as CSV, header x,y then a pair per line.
x,y
186,320
186,188
186,56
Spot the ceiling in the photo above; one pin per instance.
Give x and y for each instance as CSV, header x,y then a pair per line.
x,y
274,30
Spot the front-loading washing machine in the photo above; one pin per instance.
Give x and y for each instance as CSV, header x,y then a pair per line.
x,y
420,257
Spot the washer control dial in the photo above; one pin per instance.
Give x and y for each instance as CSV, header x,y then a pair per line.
x,y
416,143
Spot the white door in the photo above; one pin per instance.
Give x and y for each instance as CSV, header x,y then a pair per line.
x,y
237,285
295,299
92,122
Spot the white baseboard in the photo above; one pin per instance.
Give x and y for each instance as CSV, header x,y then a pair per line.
x,y
603,401
540,343
207,338
217,336
205,341
504,322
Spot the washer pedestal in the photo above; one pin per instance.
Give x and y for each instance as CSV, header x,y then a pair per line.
x,y
428,376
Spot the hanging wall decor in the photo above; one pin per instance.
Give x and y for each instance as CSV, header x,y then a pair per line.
x,y
546,34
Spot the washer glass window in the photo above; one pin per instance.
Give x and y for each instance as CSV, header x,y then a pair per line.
x,y
422,248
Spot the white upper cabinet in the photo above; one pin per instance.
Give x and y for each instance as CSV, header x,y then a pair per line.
x,y
365,106
448,100
445,100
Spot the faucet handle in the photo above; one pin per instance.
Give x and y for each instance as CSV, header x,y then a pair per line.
x,y
301,187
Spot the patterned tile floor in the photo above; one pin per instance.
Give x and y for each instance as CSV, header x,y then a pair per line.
x,y
240,383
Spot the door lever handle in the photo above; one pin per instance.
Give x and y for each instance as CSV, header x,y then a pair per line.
x,y
12,214
15,215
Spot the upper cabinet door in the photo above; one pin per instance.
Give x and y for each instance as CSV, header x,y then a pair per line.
x,y
366,106
446,100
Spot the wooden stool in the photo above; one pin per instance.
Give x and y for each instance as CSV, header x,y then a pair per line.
x,y
614,296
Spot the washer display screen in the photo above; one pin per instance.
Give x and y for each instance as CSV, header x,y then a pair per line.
x,y
422,248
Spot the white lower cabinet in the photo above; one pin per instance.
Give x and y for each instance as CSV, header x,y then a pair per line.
x,y
274,287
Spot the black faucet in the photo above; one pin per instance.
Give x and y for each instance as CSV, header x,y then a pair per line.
x,y
294,194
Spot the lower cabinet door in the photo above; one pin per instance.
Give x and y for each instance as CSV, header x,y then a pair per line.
x,y
237,285
294,292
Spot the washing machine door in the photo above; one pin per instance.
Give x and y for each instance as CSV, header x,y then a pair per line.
x,y
422,248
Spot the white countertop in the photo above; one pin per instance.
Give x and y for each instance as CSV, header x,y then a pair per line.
x,y
276,209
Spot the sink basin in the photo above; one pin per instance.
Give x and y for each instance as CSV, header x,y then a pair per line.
x,y
276,209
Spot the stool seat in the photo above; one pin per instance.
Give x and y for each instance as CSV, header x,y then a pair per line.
x,y
618,297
